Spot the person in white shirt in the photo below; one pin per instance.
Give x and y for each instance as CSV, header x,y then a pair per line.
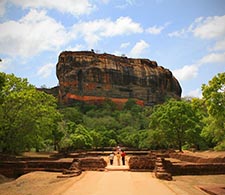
x,y
111,157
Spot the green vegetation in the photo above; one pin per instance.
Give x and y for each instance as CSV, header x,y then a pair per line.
x,y
175,124
214,99
27,116
31,119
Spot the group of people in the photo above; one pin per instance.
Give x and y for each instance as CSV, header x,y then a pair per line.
x,y
120,154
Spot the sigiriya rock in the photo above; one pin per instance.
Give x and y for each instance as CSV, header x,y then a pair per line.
x,y
91,77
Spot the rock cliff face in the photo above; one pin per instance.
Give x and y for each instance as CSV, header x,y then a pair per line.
x,y
87,76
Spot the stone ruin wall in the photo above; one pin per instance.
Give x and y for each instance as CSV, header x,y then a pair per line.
x,y
87,76
159,162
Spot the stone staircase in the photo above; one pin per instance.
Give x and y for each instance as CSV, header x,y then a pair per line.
x,y
73,171
160,172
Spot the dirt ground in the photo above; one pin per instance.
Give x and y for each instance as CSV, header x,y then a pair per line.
x,y
118,182
188,185
37,183
47,183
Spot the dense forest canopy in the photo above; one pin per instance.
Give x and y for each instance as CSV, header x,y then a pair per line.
x,y
32,120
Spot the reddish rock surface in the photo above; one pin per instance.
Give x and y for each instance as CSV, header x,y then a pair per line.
x,y
90,77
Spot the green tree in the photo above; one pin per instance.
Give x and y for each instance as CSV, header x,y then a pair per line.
x,y
81,138
109,138
157,139
97,138
27,116
125,136
2,83
127,118
174,123
72,114
105,122
130,104
109,106
75,137
2,80
214,98
200,111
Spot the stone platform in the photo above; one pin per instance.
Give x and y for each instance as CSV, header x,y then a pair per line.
x,y
117,168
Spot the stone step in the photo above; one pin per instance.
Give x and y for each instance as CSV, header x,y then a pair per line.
x,y
68,175
160,170
165,176
117,168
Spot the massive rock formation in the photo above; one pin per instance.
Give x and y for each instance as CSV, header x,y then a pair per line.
x,y
91,77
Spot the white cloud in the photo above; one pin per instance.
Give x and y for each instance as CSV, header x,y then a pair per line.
x,y
211,27
187,72
124,45
46,70
179,33
32,34
93,31
204,28
37,32
138,49
195,93
213,58
123,25
191,71
74,7
155,30
77,47
219,45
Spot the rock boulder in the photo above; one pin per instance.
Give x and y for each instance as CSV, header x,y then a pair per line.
x,y
91,77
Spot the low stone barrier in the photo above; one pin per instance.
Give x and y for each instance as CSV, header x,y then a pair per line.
x,y
196,159
141,163
15,169
92,163
198,169
182,168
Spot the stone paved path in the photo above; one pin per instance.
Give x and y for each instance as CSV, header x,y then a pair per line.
x,y
118,182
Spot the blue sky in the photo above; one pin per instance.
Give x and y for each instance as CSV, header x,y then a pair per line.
x,y
185,36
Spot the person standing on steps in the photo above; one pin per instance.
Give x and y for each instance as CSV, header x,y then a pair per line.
x,y
111,157
118,156
123,154
118,149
